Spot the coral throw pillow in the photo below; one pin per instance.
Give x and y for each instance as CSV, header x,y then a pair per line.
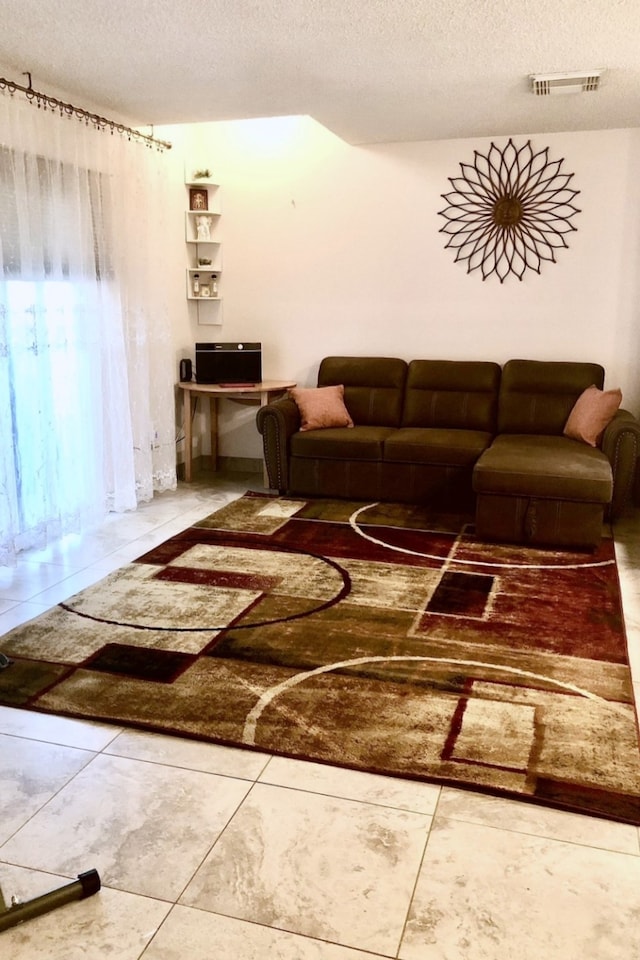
x,y
321,407
592,412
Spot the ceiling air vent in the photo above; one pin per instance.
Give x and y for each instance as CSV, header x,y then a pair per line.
x,y
548,84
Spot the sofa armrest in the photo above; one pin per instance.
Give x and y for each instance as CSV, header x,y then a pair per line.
x,y
277,422
621,444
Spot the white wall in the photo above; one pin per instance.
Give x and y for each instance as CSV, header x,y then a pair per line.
x,y
330,248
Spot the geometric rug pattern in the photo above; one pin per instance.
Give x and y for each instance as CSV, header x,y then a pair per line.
x,y
380,637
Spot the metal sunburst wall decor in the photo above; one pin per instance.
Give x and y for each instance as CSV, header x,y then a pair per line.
x,y
510,210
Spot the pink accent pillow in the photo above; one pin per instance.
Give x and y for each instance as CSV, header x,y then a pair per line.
x,y
592,412
321,407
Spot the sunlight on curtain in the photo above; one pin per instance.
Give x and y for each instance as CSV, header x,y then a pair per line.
x,y
86,380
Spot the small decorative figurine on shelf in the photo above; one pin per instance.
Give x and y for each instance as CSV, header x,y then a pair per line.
x,y
203,227
198,199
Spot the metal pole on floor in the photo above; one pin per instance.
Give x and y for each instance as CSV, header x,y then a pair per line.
x,y
86,885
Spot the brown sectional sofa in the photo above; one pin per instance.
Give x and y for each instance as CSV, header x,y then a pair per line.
x,y
471,433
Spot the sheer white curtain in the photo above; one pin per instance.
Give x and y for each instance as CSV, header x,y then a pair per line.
x,y
86,380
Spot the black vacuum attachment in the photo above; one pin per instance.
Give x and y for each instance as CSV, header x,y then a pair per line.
x,y
85,886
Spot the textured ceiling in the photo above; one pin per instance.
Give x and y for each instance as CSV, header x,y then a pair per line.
x,y
369,70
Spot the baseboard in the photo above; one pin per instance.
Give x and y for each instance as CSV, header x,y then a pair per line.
x,y
240,464
204,465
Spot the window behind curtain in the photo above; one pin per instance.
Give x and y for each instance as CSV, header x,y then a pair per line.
x,y
60,336
86,353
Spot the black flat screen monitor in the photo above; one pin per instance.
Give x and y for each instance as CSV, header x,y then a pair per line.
x,y
229,363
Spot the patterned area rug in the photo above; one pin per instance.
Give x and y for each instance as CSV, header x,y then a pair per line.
x,y
378,637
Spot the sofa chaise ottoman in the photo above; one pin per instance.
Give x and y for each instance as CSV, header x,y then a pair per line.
x,y
534,484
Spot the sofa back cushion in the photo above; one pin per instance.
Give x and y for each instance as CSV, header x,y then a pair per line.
x,y
455,394
537,396
373,387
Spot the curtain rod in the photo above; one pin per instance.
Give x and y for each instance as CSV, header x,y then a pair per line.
x,y
46,102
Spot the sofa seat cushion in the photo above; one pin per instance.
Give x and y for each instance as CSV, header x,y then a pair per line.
x,y
454,448
543,466
341,443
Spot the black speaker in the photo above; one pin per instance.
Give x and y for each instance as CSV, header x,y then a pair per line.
x,y
186,370
229,363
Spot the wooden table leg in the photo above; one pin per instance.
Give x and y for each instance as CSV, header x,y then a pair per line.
x,y
213,426
265,396
186,423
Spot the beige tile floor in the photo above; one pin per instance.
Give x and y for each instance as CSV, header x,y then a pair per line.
x,y
208,852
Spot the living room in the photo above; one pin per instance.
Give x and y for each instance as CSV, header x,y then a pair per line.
x,y
334,131
333,248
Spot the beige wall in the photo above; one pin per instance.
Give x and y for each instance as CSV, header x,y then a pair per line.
x,y
336,249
